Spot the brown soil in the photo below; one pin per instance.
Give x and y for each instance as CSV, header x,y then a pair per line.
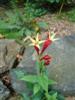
x,y
70,98
62,26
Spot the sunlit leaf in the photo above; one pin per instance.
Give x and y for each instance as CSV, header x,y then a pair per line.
x,y
43,82
51,82
36,88
30,78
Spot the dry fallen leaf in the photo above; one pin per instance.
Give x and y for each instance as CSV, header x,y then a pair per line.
x,y
2,36
19,57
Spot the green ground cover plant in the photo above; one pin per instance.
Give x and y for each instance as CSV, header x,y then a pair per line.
x,y
69,15
19,23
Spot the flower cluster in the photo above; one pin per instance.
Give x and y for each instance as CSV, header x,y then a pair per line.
x,y
36,43
46,59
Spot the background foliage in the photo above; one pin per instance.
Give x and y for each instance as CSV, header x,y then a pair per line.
x,y
21,22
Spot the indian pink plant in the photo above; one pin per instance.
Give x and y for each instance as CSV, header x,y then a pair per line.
x,y
41,80
36,43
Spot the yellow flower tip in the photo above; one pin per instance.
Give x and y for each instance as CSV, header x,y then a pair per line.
x,y
36,41
52,36
37,37
31,44
26,38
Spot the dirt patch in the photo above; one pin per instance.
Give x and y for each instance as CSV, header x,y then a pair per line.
x,y
62,26
70,98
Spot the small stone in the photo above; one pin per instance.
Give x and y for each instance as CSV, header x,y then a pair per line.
x,y
8,51
18,85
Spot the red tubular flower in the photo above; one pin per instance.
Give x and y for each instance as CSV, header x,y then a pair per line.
x,y
46,62
49,40
37,49
46,59
45,45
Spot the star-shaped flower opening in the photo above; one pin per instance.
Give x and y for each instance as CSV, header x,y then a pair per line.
x,y
48,41
52,36
36,42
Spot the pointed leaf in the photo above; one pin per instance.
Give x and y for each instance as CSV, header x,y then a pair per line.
x,y
53,97
36,88
30,78
25,97
51,82
43,82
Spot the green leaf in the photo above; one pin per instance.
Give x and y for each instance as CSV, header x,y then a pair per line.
x,y
43,82
21,32
37,96
51,1
28,32
11,34
25,96
30,78
42,25
12,17
53,97
36,88
7,26
57,1
60,97
51,82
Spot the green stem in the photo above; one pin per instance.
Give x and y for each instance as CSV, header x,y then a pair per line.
x,y
61,8
47,95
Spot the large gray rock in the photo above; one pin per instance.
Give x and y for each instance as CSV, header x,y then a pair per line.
x,y
62,67
8,51
4,92
22,69
18,86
